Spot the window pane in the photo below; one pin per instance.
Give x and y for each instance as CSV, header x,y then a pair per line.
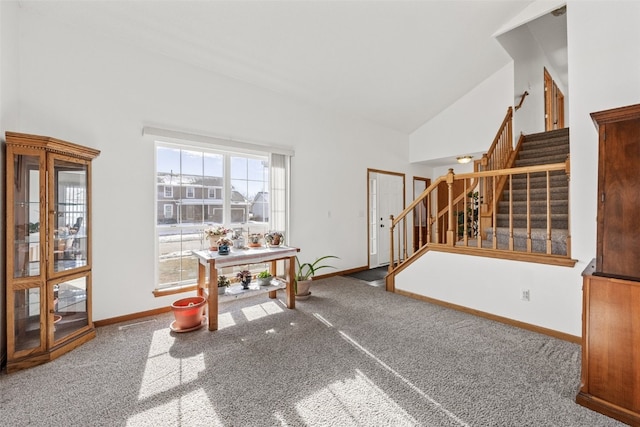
x,y
192,194
177,265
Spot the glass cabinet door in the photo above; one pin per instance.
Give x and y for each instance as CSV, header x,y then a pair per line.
x,y
68,213
27,323
70,313
27,210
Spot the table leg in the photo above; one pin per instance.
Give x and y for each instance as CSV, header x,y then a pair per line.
x,y
213,296
290,275
274,272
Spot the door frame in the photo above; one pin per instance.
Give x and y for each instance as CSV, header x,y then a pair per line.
x,y
553,104
371,171
427,183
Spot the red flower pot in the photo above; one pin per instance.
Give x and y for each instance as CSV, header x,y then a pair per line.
x,y
188,312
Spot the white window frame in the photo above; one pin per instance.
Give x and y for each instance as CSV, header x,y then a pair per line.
x,y
168,191
191,192
279,216
167,207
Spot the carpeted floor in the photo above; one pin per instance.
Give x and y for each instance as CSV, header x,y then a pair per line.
x,y
350,355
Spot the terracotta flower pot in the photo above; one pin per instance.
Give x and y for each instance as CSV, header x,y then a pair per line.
x,y
188,312
302,288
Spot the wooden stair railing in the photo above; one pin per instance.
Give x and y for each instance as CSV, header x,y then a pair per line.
x,y
467,230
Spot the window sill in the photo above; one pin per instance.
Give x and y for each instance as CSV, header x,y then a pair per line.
x,y
173,290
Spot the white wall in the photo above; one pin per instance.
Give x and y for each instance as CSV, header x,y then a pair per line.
x,y
8,119
469,125
604,73
529,63
603,37
81,88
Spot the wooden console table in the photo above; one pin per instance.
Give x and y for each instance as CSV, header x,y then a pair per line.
x,y
210,261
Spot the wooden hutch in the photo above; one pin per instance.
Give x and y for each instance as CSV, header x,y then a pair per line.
x,y
48,247
611,283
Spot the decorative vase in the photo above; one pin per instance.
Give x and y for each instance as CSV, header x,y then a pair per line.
x,y
222,290
188,312
246,282
223,249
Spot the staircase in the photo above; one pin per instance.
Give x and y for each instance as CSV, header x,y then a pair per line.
x,y
537,149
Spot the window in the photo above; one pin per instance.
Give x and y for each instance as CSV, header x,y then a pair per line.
x,y
168,211
213,187
215,193
168,191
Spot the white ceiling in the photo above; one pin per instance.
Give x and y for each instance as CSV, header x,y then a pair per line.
x,y
395,63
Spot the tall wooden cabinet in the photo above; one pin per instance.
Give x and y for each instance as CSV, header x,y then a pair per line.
x,y
48,247
611,284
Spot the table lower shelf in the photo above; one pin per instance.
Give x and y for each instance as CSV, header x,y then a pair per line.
x,y
236,292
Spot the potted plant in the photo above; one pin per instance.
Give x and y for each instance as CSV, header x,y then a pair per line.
x,y
224,244
254,240
245,278
274,238
264,278
188,313
223,283
214,233
304,274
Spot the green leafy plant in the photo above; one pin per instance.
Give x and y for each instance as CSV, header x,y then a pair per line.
x,y
223,281
307,270
264,274
244,275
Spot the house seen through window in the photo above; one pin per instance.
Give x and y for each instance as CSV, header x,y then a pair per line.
x,y
196,188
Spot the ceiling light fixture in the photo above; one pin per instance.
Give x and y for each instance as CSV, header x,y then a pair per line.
x,y
464,159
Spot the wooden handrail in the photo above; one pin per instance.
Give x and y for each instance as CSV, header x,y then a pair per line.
x,y
400,248
524,95
506,122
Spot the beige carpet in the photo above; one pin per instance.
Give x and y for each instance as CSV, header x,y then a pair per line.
x,y
351,355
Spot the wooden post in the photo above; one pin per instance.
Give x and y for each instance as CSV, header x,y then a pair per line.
x,y
450,237
391,245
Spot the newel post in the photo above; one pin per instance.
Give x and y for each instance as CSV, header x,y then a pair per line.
x,y
450,175
391,226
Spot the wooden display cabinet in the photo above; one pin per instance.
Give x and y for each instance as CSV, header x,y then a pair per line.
x,y
48,247
611,283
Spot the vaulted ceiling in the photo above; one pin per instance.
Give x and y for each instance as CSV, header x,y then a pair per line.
x,y
395,63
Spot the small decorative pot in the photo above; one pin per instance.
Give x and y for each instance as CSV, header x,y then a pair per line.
x,y
223,249
265,281
246,282
222,290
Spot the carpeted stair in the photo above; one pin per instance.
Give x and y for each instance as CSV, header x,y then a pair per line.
x,y
537,149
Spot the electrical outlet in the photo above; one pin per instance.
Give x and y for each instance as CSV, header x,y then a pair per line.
x,y
525,295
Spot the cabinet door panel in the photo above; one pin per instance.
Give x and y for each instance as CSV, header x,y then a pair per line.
x,y
614,344
619,203
25,215
68,214
26,326
70,306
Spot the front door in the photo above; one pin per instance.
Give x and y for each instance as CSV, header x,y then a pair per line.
x,y
386,198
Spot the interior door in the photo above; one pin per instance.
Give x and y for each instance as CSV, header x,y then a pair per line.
x,y
419,213
386,198
553,104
